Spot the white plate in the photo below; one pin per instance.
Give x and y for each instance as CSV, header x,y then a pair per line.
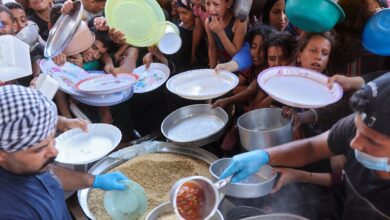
x,y
151,79
106,100
106,84
298,87
202,84
67,75
77,147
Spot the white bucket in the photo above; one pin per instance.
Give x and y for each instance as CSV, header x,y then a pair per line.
x,y
15,59
170,42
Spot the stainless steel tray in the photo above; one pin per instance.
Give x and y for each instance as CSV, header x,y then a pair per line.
x,y
121,156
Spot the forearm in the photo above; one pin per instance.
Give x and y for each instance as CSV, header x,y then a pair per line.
x,y
300,153
243,57
72,180
212,58
230,48
245,95
321,179
197,36
106,59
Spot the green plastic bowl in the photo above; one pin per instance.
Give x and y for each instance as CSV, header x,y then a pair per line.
x,y
129,204
314,15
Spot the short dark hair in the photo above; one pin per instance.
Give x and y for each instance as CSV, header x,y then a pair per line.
x,y
284,40
260,29
13,5
6,10
103,37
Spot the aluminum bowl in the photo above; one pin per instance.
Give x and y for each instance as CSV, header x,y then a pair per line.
x,y
195,125
264,128
276,216
29,34
257,185
167,207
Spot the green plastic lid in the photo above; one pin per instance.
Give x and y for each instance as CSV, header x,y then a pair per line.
x,y
129,204
142,21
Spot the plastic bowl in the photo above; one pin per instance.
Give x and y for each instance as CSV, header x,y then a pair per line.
x,y
376,33
314,15
126,205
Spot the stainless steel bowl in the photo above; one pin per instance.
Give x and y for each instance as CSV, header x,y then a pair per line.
x,y
195,125
263,128
257,185
115,159
167,208
63,30
29,35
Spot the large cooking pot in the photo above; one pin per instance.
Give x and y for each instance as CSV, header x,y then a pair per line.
x,y
263,128
167,208
277,216
115,159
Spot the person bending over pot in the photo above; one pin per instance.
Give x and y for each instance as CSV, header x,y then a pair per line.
x,y
32,187
363,138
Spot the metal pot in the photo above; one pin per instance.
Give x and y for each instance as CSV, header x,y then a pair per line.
x,y
167,207
195,125
277,216
115,159
257,185
263,128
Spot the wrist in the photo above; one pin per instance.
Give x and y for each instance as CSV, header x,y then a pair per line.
x,y
264,155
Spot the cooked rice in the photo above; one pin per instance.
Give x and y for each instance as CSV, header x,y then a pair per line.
x,y
156,173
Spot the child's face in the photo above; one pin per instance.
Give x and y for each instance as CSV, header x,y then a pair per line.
x,y
198,3
20,17
315,55
94,52
218,7
8,25
186,16
174,9
373,6
39,5
276,56
256,52
94,6
277,16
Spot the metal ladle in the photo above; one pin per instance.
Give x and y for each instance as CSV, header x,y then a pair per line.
x,y
209,190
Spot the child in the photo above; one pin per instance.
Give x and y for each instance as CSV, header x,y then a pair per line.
x,y
19,14
225,33
274,14
200,13
93,8
41,15
247,89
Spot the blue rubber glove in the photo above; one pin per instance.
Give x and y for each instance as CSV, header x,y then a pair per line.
x,y
110,181
245,165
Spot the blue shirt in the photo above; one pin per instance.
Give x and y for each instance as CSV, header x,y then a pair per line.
x,y
243,57
37,196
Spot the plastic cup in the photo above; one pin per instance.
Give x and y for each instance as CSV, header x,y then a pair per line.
x,y
170,42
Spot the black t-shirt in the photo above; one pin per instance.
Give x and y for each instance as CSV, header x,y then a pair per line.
x,y
42,24
367,196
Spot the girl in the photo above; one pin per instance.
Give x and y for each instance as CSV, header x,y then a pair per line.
x,y
274,14
225,33
247,87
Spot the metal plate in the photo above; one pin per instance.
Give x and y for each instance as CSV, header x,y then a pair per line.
x,y
63,31
130,152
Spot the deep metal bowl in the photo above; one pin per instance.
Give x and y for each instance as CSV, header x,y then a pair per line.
x,y
115,159
29,34
264,128
257,185
203,122
63,31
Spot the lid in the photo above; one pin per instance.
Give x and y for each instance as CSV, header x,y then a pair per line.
x,y
66,23
105,84
151,79
77,147
106,100
128,204
298,87
142,21
202,84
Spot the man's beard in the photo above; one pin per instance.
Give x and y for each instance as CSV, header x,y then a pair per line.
x,y
41,170
49,161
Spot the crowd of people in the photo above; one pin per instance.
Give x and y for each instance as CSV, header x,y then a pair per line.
x,y
342,138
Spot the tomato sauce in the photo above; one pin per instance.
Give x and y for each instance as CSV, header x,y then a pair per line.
x,y
190,201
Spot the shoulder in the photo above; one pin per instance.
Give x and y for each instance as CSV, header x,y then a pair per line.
x,y
341,134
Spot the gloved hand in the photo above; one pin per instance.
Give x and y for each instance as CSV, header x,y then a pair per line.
x,y
110,181
244,165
